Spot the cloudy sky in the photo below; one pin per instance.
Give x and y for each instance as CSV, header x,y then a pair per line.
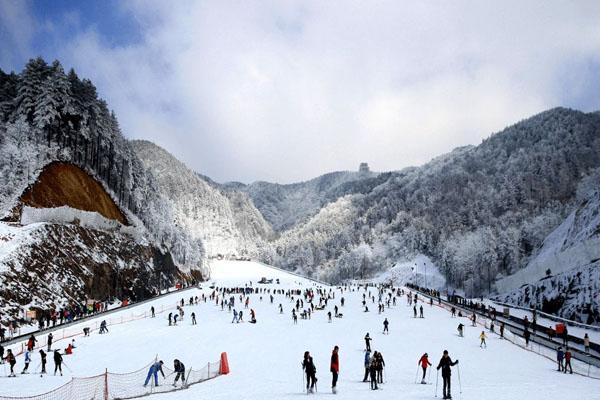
x,y
285,91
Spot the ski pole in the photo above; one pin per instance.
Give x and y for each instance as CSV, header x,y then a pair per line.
x,y
65,364
436,381
459,384
417,374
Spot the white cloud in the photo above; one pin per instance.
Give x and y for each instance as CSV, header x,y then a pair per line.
x,y
286,91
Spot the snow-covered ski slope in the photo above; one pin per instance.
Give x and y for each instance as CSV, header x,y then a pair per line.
x,y
265,357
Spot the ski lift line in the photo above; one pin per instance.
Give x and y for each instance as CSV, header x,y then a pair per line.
x,y
24,337
587,359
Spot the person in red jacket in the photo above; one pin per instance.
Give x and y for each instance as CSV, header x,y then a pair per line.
x,y
334,368
568,361
69,349
424,361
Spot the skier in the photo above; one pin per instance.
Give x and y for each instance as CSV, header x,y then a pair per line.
x,y
367,364
309,368
334,368
502,330
560,355
379,365
154,370
424,361
368,342
415,311
180,372
31,342
103,328
586,343
57,362
11,360
386,326
49,342
69,349
526,335
152,311
473,319
460,330
170,319
568,361
453,311
482,337
240,314
43,361
1,354
280,309
27,361
252,316
193,318
445,364
421,311
373,372
329,316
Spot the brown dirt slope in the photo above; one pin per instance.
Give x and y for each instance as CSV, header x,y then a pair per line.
x,y
63,184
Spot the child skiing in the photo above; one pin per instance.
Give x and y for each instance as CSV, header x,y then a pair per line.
x,y
43,361
11,360
57,362
460,329
482,337
386,326
27,361
445,364
424,361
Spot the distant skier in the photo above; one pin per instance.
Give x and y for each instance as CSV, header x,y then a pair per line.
x,y
49,342
367,364
31,342
310,370
445,364
43,361
586,343
502,330
103,328
193,318
154,370
415,311
421,311
482,338
526,335
460,330
368,342
474,319
424,361
180,372
175,319
170,319
27,361
152,311
334,368
560,355
57,362
12,361
386,326
329,316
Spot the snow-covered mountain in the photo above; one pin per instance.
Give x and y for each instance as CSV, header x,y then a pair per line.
x,y
285,206
226,222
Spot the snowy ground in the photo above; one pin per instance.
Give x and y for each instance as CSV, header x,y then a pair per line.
x,y
265,358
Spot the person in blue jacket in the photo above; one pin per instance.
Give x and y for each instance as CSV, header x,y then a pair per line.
x,y
154,370
560,355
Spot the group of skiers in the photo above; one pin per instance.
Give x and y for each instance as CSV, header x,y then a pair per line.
x,y
11,360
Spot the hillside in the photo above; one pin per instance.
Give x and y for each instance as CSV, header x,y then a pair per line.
x,y
226,222
479,212
285,206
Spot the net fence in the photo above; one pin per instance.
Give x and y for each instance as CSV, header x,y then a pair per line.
x,y
113,386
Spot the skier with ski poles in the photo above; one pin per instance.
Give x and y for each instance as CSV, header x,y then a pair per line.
x,y
180,372
386,326
155,368
43,361
57,362
424,361
445,364
334,368
309,368
368,342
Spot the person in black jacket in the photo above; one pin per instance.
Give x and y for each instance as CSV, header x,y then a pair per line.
x,y
43,361
180,372
445,364
57,362
309,368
